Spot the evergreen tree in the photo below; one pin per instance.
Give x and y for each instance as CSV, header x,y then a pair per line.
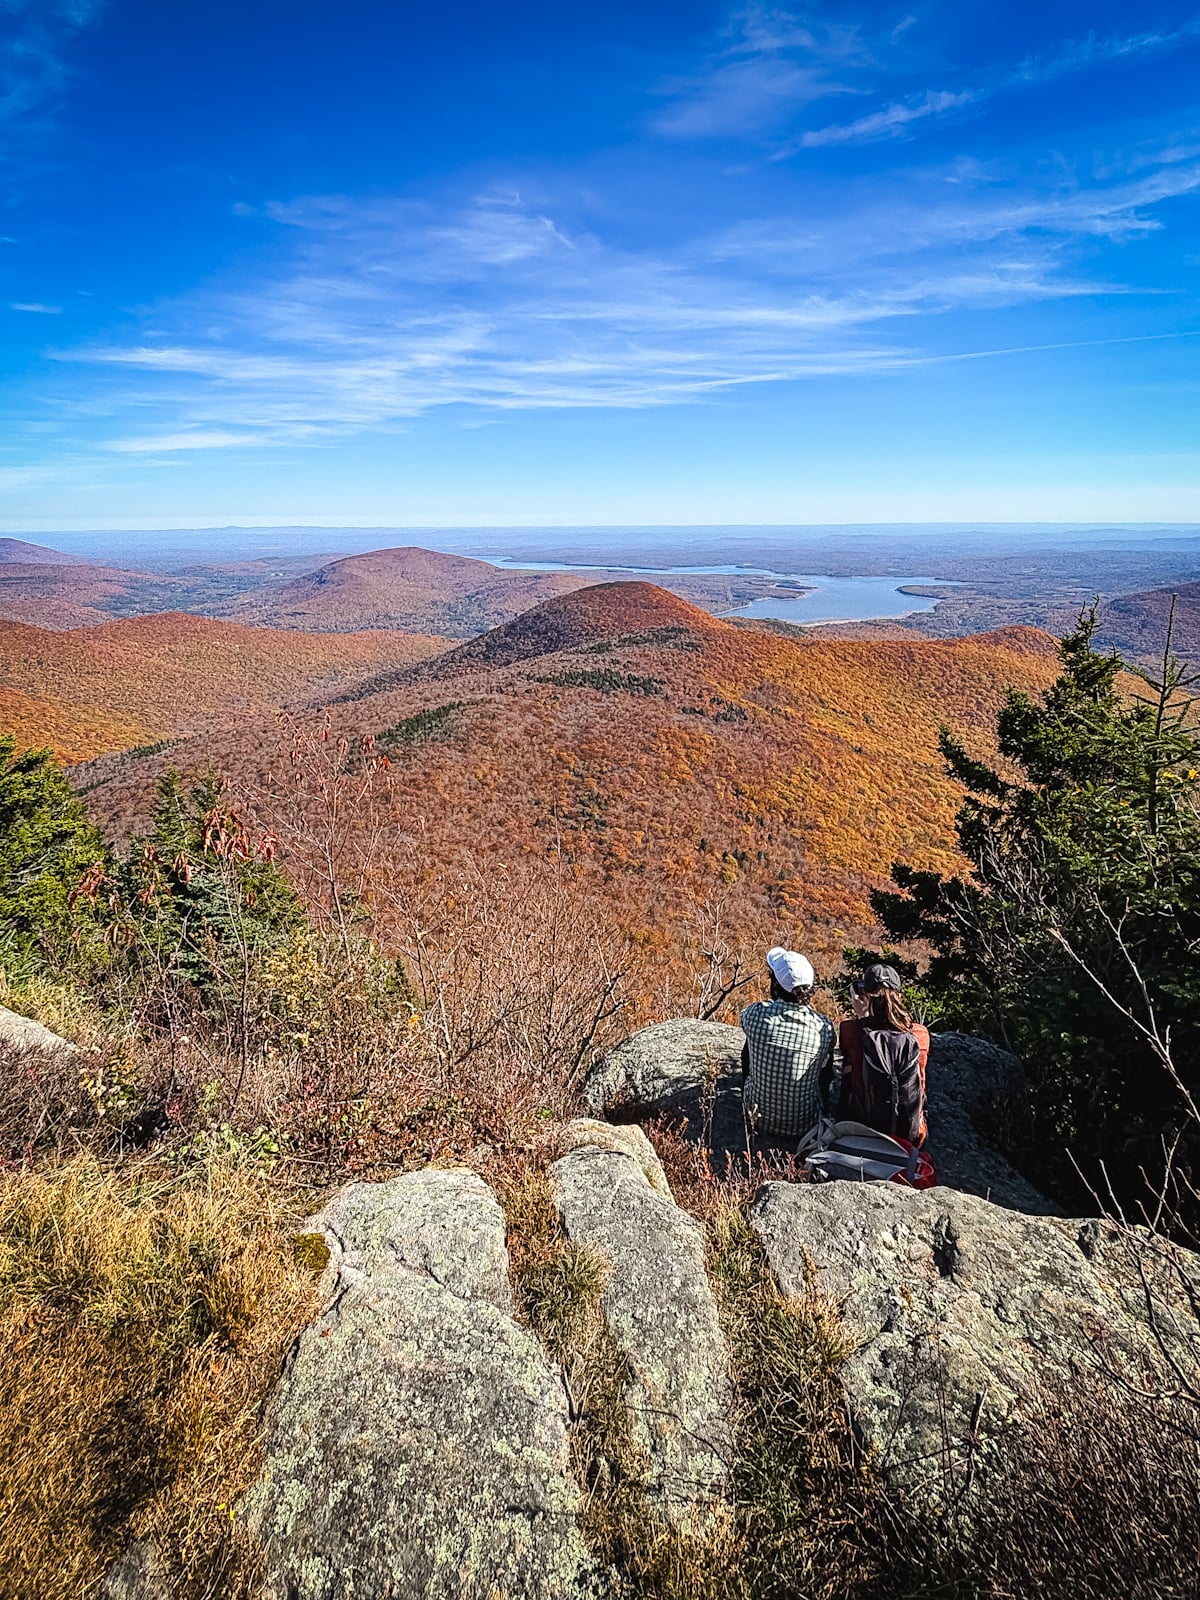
x,y
201,894
1076,936
47,849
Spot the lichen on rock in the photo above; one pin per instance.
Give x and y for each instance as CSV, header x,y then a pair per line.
x,y
659,1309
965,1315
417,1444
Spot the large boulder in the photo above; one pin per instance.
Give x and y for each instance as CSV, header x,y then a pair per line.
x,y
686,1070
658,1306
964,1314
417,1443
663,1065
968,1082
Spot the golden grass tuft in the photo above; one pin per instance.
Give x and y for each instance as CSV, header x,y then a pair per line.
x,y
143,1316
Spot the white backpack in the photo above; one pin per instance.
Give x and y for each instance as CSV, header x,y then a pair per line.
x,y
852,1150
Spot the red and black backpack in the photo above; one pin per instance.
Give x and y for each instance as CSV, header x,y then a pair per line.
x,y
887,1094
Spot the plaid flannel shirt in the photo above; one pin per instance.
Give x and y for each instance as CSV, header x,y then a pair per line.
x,y
789,1047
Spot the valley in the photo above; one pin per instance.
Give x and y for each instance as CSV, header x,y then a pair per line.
x,y
859,583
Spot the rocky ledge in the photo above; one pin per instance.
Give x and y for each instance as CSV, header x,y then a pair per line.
x,y
965,1316
419,1441
23,1036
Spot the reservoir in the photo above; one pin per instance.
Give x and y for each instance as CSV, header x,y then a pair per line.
x,y
828,599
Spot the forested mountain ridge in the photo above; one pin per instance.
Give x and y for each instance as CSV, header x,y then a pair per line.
x,y
89,691
407,589
669,756
20,552
1136,624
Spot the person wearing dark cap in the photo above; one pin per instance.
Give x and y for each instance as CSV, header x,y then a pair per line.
x,y
884,1056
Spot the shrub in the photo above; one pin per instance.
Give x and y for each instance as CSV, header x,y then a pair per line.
x,y
201,899
607,680
1099,1496
47,846
419,728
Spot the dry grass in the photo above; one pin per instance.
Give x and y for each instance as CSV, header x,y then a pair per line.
x,y
559,1289
1099,1496
805,1497
142,1319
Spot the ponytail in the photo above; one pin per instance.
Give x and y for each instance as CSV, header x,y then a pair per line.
x,y
887,1010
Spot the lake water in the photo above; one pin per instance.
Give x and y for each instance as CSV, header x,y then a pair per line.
x,y
829,600
845,600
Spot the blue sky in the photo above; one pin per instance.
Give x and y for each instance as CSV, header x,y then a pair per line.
x,y
374,263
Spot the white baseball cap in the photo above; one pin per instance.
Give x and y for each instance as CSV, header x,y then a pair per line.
x,y
790,970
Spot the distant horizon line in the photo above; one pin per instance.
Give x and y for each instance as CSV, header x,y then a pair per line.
x,y
32,534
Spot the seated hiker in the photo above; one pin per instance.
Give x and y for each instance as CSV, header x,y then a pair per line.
x,y
788,1057
884,1055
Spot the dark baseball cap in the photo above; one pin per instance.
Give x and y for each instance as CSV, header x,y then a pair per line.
x,y
881,977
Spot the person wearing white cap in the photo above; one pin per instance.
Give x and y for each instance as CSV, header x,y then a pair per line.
x,y
789,1051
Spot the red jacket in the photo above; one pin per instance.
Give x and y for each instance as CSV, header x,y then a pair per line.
x,y
850,1044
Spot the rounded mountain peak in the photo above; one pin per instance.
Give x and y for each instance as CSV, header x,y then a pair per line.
x,y
587,616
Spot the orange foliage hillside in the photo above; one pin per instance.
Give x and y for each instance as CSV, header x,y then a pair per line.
x,y
19,552
670,758
90,690
408,588
58,595
1136,624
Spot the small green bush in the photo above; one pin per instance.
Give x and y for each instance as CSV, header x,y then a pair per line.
x,y
606,680
421,728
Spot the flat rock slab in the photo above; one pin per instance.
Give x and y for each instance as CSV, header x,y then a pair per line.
x,y
626,1138
417,1443
442,1222
963,1312
659,1308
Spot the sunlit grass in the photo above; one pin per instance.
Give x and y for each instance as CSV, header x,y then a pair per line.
x,y
143,1316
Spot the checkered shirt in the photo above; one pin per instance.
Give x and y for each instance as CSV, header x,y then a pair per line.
x,y
789,1045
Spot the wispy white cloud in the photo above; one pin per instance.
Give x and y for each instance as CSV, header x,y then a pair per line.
x,y
34,306
900,118
1096,49
197,439
389,310
890,122
34,39
764,66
